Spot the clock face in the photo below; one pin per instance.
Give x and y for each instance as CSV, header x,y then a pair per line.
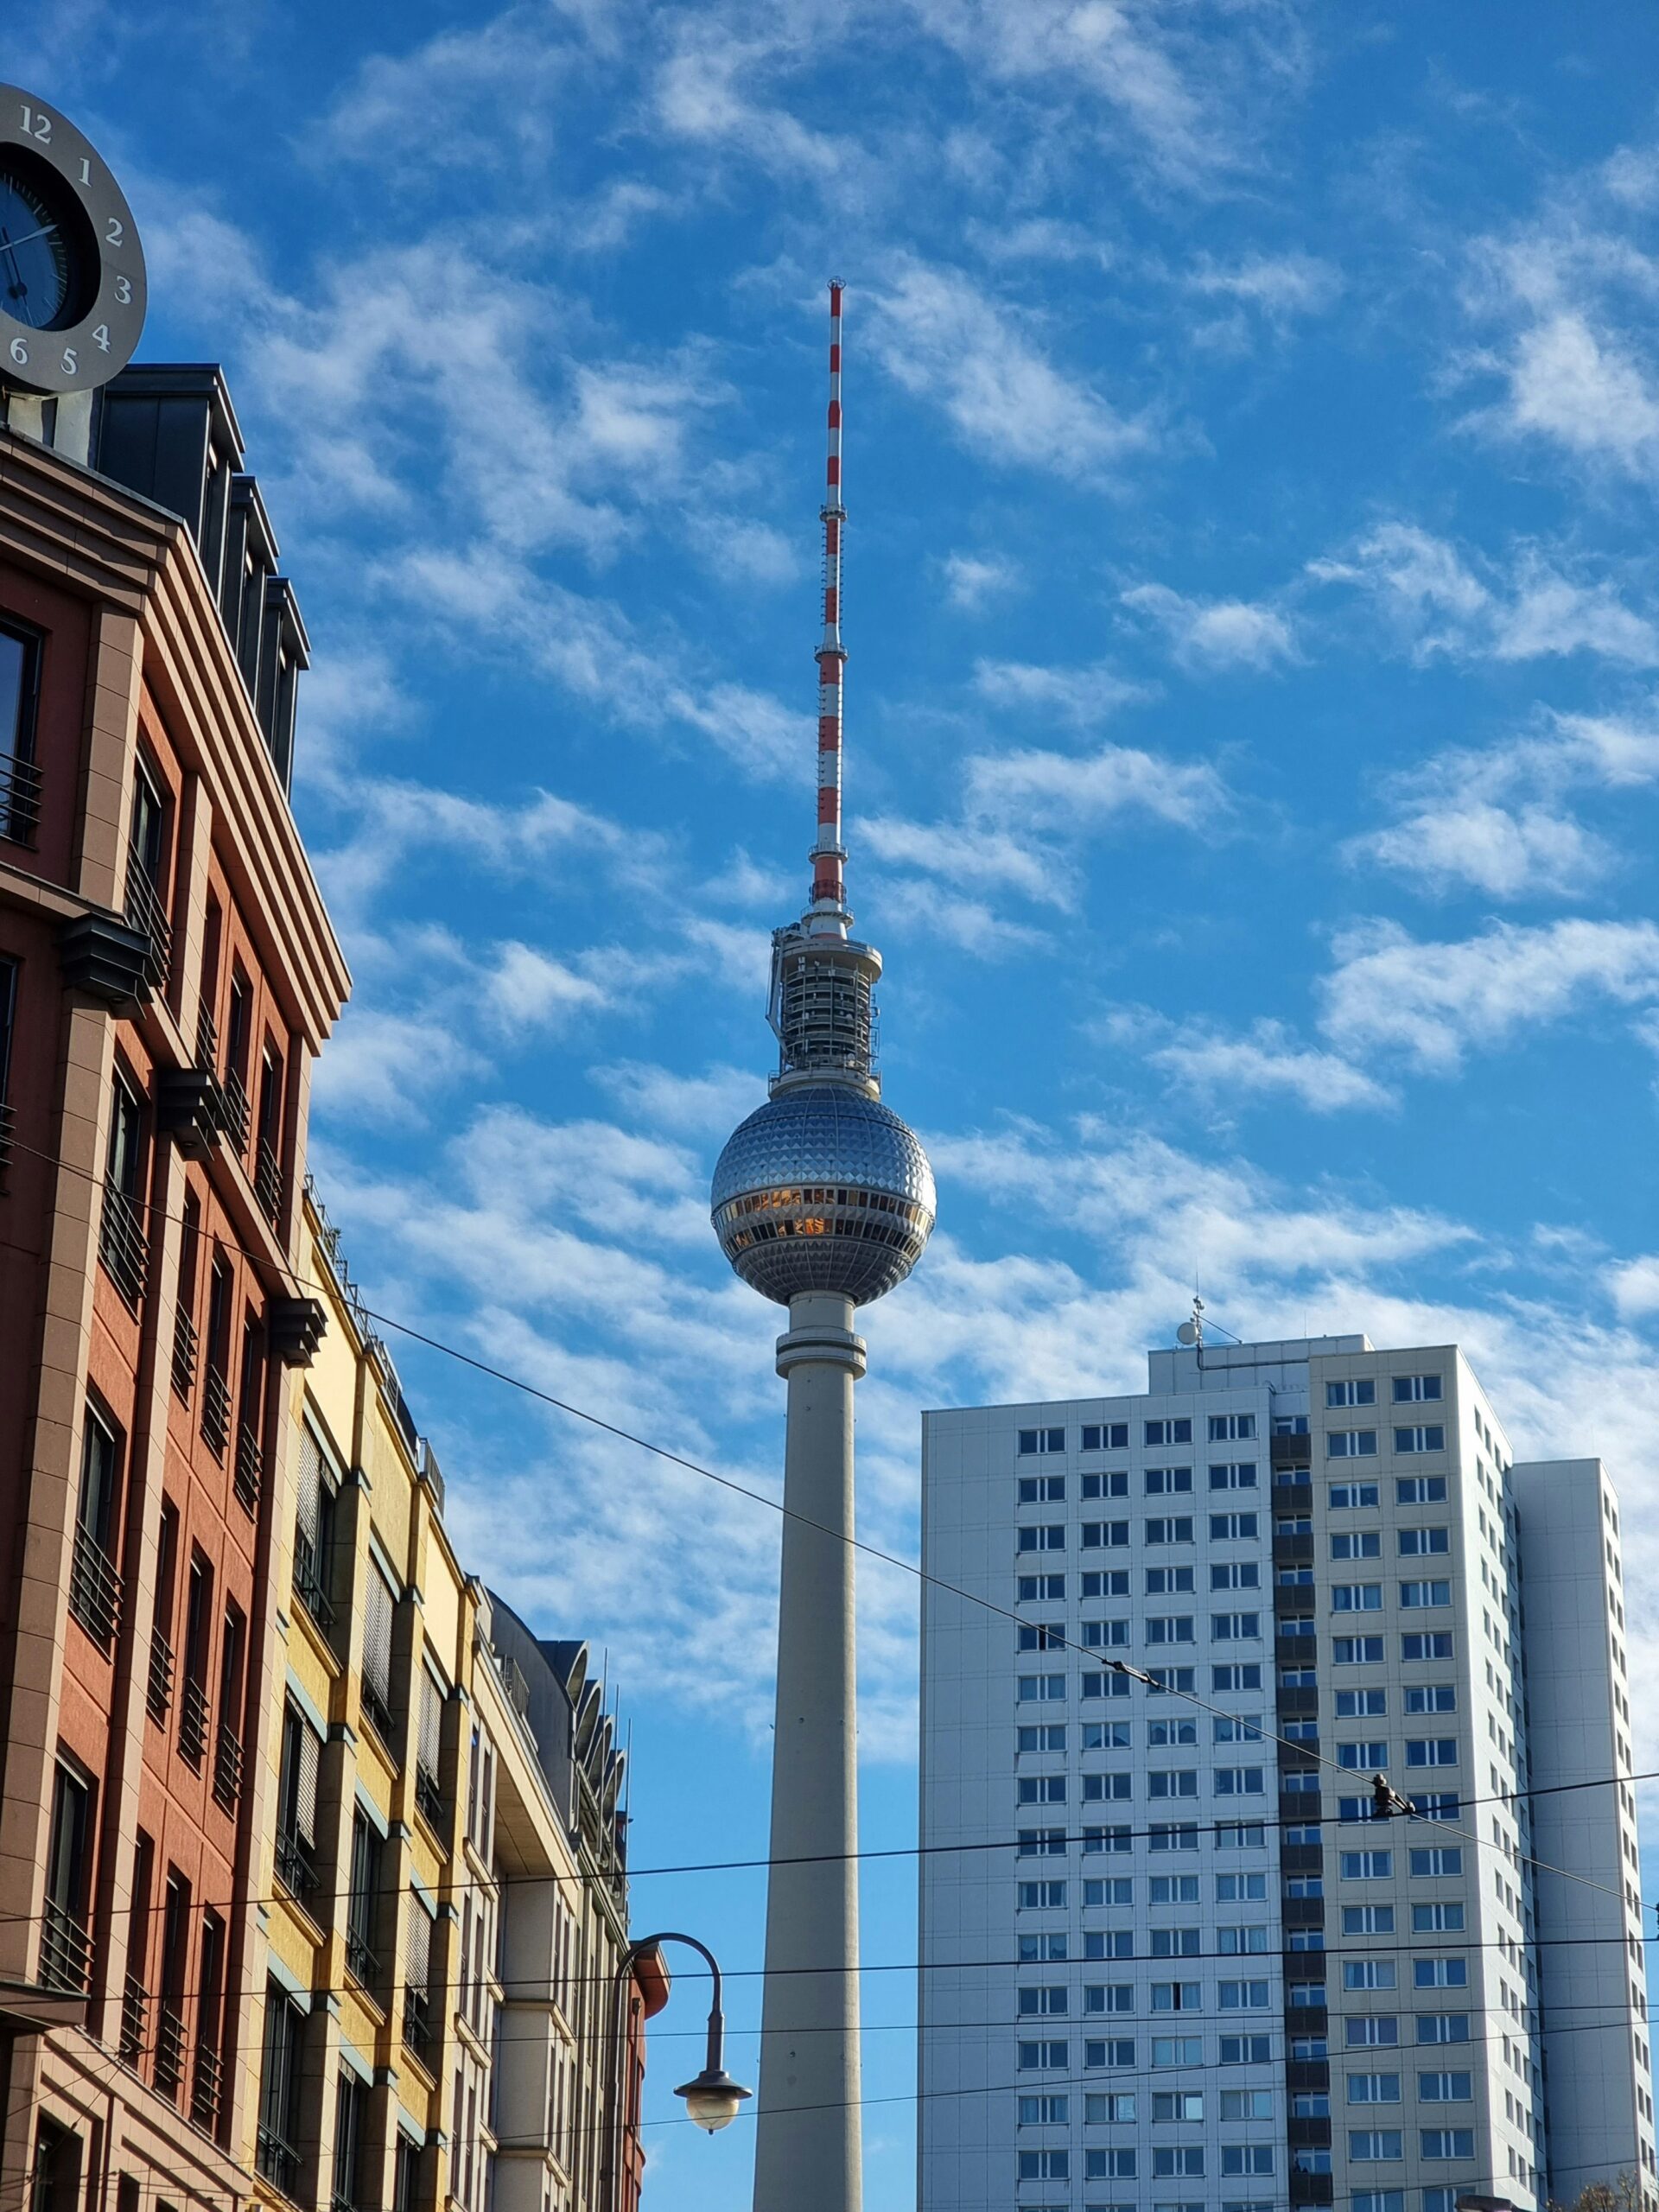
x,y
71,272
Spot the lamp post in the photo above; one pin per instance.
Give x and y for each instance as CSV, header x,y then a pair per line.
x,y
713,2100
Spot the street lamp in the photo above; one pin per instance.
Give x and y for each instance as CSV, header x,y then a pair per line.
x,y
713,2100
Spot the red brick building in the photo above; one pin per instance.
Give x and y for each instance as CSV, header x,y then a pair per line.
x,y
167,973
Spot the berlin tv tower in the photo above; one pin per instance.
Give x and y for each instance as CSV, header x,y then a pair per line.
x,y
823,1199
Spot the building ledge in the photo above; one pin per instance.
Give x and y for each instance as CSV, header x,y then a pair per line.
x,y
26,2005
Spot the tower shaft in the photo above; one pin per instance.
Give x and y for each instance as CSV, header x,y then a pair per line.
x,y
808,2139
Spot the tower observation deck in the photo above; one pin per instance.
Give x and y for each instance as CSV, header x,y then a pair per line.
x,y
823,1200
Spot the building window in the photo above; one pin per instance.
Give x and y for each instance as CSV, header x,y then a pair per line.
x,y
1439,1973
1168,1482
1369,1974
362,1900
1046,1537
66,1945
378,1602
1042,1489
1225,1428
1414,1387
1041,1897
1367,1919
1235,1474
1044,1587
1445,2089
1431,1644
1235,1628
1421,1543
121,1244
277,2147
1448,2142
94,1584
1420,1489
1442,2027
1039,1689
1431,1751
1425,1593
1376,2143
296,1804
1359,1391
1356,1598
1046,2057
1356,1651
1442,1861
1168,1432
20,777
1420,1439
1366,1756
1113,2050
1106,1436
1345,1496
1357,1543
1171,1529
1042,1440
7,1017
1351,1444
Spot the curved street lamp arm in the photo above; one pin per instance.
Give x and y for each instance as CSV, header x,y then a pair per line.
x,y
717,2019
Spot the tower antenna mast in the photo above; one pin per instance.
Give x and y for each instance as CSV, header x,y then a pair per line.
x,y
828,914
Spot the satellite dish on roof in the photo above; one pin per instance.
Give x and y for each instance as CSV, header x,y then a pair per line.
x,y
1187,1333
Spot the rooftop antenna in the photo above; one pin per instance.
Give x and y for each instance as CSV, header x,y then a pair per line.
x,y
828,914
1191,1333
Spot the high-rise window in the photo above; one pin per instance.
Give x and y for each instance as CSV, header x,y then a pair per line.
x,y
66,1947
20,779
276,2153
94,1584
121,1242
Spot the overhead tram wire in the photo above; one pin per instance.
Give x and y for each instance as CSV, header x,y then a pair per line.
x,y
891,1559
1358,1830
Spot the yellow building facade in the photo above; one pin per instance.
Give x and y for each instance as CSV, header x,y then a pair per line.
x,y
442,2020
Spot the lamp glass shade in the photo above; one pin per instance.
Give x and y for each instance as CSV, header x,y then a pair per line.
x,y
713,2100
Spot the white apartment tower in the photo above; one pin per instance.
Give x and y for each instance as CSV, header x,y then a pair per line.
x,y
1171,1964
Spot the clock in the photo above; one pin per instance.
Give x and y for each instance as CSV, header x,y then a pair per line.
x,y
72,270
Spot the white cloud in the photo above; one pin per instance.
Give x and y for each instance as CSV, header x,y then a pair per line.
x,y
1426,1003
711,1104
1279,285
1080,697
1634,1285
1215,633
1267,1062
971,579
939,336
959,852
386,1068
1526,852
1436,602
1068,795
1581,388
528,990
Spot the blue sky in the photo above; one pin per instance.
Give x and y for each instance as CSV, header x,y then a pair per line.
x,y
1253,752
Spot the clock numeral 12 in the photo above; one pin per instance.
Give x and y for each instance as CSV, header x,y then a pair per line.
x,y
37,126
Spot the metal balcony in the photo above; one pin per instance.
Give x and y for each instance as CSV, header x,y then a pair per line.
x,y
294,1868
158,1693
427,1795
169,2050
20,799
417,2021
145,912
184,1355
122,1245
95,1589
215,1412
308,1582
250,1465
205,2087
277,2161
267,1182
377,1713
66,1950
236,1112
135,2020
360,1961
193,1725
227,1767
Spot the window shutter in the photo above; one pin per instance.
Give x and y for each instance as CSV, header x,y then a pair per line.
x,y
306,1511
429,1753
305,1793
417,1949
377,1634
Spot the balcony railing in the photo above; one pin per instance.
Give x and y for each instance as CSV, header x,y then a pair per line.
x,y
277,2161
215,1411
427,1795
294,1868
145,912
184,1355
205,2087
250,1465
236,1112
135,2020
158,1693
268,1181
20,799
308,1582
361,1961
95,1589
8,1124
169,2050
122,1245
193,1724
66,1950
227,1766
417,2021
377,1713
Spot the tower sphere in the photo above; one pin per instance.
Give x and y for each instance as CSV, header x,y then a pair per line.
x,y
823,1188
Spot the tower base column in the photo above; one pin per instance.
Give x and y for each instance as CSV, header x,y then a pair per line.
x,y
808,2137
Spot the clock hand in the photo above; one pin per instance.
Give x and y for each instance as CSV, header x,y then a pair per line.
x,y
45,231
19,289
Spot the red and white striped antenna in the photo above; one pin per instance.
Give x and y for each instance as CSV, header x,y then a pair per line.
x,y
829,912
